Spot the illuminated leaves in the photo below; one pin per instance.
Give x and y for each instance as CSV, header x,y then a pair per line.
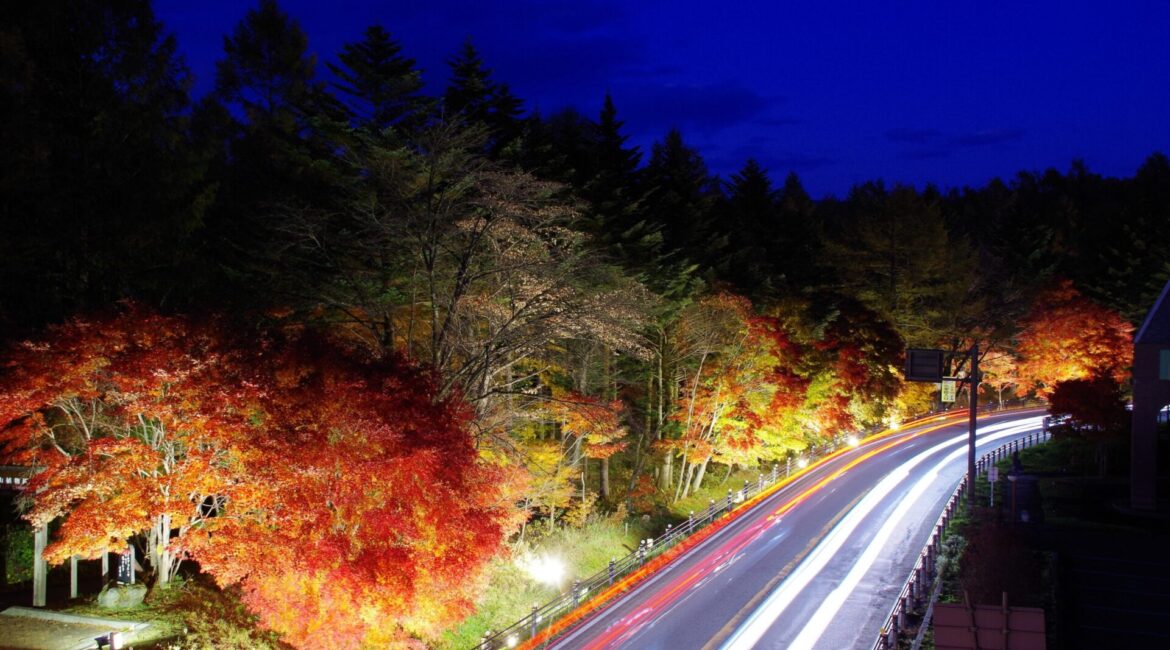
x,y
335,489
1067,336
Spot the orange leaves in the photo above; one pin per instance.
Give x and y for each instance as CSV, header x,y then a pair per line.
x,y
1067,336
597,424
336,489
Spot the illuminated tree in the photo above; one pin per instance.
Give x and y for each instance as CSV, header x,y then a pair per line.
x,y
1067,336
998,370
334,488
595,426
739,393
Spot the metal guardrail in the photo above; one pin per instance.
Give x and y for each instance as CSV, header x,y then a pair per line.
x,y
543,616
918,589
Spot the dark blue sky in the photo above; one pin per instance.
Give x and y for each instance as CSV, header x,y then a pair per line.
x,y
951,93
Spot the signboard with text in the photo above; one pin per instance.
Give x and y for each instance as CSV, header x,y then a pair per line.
x,y
948,388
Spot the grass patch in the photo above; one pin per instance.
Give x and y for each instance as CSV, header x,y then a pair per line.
x,y
511,592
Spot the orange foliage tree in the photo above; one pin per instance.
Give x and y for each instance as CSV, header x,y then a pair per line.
x,y
343,497
594,425
734,405
1067,336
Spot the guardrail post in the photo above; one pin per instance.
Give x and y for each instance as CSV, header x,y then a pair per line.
x,y
611,569
576,592
691,522
666,535
775,468
902,612
729,499
759,483
534,620
711,510
641,551
892,640
487,640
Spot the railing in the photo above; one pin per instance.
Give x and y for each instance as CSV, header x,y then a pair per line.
x,y
919,589
543,616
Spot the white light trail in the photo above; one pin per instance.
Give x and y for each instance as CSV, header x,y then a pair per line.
x,y
756,626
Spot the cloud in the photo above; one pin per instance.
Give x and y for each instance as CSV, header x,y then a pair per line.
x,y
933,153
702,108
927,144
987,137
911,136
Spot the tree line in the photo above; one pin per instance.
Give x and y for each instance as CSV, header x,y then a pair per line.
x,y
600,325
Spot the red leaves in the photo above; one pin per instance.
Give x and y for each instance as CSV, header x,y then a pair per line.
x,y
1068,336
351,497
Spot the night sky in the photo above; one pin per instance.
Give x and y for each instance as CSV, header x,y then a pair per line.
x,y
950,93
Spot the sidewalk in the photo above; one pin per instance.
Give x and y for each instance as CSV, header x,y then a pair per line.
x,y
25,628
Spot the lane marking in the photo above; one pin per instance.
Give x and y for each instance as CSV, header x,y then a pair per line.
x,y
762,618
831,605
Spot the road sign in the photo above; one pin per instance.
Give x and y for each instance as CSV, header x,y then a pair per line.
x,y
924,365
993,474
947,388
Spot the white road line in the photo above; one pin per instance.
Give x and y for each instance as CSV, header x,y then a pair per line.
x,y
756,626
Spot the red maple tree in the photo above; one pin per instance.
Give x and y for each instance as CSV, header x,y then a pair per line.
x,y
345,499
1067,336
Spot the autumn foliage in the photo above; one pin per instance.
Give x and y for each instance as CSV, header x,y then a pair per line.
x,y
1067,336
335,489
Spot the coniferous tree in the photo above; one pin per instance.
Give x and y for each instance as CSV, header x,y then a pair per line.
x,y
101,187
475,98
749,216
680,199
382,87
280,155
795,241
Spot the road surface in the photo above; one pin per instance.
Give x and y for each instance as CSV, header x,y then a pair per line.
x,y
818,564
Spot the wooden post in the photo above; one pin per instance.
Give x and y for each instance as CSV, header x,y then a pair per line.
x,y
40,567
73,576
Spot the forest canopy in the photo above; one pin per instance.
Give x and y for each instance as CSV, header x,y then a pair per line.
x,y
328,305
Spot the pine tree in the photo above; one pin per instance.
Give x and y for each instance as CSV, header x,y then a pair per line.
x,y
748,218
267,70
680,200
383,87
475,98
100,186
281,155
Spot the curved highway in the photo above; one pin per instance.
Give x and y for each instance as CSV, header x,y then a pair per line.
x,y
817,564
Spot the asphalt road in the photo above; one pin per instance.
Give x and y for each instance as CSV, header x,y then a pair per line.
x,y
818,564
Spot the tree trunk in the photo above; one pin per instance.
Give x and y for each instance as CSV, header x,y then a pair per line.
x,y
605,478
666,476
699,474
160,555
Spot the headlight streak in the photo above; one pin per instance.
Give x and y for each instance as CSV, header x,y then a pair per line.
x,y
623,629
757,625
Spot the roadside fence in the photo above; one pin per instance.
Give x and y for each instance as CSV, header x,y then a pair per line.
x,y
921,588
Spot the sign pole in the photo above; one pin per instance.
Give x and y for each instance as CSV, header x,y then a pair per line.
x,y
974,400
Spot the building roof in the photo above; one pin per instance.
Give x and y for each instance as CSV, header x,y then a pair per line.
x,y
1156,328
